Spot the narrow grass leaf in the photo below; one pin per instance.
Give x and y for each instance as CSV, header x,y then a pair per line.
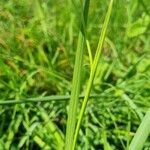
x,y
71,122
41,99
141,134
93,71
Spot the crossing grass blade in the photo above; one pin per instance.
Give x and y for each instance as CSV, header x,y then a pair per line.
x,y
93,71
41,99
141,134
71,122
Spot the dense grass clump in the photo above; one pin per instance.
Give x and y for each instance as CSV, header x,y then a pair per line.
x,y
74,74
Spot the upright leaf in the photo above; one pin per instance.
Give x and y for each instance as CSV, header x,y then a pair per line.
x,y
71,122
93,71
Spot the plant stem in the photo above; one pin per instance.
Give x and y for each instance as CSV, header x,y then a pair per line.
x,y
93,71
71,122
42,99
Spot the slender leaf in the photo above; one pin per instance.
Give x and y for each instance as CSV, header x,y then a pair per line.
x,y
141,134
71,122
93,71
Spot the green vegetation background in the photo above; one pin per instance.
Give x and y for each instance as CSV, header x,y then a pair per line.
x,y
38,41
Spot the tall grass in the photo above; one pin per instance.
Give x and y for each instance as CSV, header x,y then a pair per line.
x,y
73,106
37,43
93,71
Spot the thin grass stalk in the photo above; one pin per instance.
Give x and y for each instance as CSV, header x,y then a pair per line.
x,y
42,99
141,134
71,122
93,72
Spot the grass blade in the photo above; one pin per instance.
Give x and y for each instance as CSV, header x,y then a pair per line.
x,y
71,122
93,71
133,106
41,99
141,134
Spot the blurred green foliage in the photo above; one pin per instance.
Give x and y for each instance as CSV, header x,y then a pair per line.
x,y
38,40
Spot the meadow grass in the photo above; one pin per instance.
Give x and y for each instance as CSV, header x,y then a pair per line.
x,y
92,73
73,106
59,90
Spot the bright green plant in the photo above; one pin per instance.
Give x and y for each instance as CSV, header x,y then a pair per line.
x,y
38,43
73,106
93,71
141,134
